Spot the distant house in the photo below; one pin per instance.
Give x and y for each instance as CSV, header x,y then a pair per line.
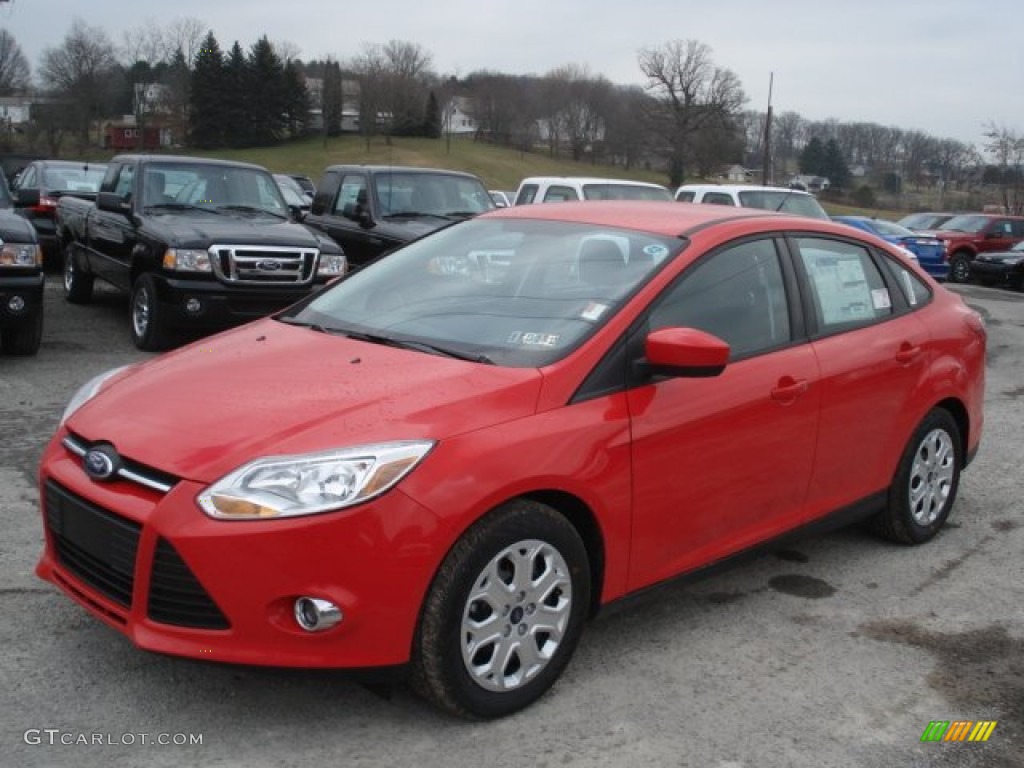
x,y
457,118
124,134
736,173
15,110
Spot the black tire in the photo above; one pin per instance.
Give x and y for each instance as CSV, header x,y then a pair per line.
x,y
148,326
24,339
77,284
959,268
443,672
925,484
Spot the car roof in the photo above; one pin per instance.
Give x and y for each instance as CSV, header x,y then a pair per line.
x,y
586,180
666,218
134,158
740,188
399,169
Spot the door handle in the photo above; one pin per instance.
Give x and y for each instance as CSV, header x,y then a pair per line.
x,y
907,353
789,389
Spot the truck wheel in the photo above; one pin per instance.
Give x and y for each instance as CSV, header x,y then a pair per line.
x,y
959,268
26,338
77,284
148,325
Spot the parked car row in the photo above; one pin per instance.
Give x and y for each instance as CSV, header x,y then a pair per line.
x,y
21,280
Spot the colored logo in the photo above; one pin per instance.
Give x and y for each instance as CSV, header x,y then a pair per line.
x,y
958,730
101,462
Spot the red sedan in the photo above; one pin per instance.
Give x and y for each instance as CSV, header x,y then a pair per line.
x,y
445,462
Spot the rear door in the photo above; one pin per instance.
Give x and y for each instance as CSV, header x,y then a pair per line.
x,y
722,463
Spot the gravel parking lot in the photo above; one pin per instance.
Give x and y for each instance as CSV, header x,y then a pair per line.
x,y
834,651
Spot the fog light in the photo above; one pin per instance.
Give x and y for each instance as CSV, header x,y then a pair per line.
x,y
16,304
316,615
193,306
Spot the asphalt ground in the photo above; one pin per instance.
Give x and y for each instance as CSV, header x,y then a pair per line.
x,y
838,650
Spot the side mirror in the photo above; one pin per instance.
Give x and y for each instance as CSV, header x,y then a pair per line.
x,y
26,198
684,352
358,214
113,202
296,212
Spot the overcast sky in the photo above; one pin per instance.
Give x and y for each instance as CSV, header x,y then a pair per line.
x,y
943,67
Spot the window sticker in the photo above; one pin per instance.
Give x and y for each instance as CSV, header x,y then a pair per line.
x,y
908,286
593,311
880,298
528,339
842,287
656,252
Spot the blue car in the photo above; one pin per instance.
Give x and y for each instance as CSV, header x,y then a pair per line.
x,y
930,251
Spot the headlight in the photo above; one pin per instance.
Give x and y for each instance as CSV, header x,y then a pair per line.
x,y
331,264
21,255
88,391
289,486
187,260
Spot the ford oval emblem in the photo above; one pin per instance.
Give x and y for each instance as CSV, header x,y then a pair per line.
x,y
101,462
268,265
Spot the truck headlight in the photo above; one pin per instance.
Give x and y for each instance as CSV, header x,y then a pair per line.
x,y
187,260
331,264
21,255
290,486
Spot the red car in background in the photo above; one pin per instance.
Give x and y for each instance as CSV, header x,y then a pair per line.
x,y
446,461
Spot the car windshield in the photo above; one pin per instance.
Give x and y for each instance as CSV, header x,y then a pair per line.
x,y
73,178
624,192
514,292
966,223
783,200
292,192
213,187
890,228
431,194
924,220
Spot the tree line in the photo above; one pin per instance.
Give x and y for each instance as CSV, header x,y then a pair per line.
x,y
689,118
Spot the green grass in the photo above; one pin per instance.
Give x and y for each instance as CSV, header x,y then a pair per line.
x,y
498,167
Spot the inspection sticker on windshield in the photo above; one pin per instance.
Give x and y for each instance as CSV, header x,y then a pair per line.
x,y
593,311
533,339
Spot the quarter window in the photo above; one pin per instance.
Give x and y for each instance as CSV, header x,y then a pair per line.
x,y
737,294
914,288
847,287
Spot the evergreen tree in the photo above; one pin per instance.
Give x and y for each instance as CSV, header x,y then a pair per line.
x,y
207,96
812,159
268,98
297,100
331,104
432,118
239,124
834,165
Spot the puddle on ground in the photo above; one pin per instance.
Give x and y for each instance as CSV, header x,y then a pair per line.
x,y
799,585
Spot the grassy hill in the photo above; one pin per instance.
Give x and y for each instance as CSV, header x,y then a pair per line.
x,y
499,167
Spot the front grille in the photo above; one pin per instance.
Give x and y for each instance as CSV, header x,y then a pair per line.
x,y
176,596
98,547
264,264
129,470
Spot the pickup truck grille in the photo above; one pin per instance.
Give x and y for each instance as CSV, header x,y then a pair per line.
x,y
264,264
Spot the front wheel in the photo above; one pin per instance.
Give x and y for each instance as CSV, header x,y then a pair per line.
x,y
925,484
148,324
77,284
25,338
504,613
959,268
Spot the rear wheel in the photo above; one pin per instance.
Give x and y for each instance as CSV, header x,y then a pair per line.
x,y
25,338
959,267
149,330
925,485
504,613
77,284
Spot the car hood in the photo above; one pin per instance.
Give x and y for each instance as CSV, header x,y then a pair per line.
x,y
999,255
15,228
200,230
404,229
272,389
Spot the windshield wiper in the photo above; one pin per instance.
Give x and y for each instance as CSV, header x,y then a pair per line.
x,y
178,207
419,346
250,209
413,215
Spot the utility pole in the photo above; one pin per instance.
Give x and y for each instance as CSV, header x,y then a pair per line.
x,y
766,166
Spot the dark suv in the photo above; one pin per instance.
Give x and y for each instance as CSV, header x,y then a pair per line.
x,y
21,281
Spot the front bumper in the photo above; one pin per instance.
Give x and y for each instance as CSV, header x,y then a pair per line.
x,y
29,289
221,306
174,581
997,271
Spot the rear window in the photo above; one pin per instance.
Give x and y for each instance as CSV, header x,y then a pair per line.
x,y
624,192
788,201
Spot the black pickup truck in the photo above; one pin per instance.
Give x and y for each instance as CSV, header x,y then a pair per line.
x,y
200,244
370,209
21,281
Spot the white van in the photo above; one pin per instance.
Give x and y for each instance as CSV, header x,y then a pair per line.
x,y
753,196
560,189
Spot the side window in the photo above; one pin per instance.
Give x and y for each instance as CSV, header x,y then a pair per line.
x,y
27,180
914,288
1001,228
737,294
685,196
353,191
124,182
526,195
718,198
1018,227
560,194
847,288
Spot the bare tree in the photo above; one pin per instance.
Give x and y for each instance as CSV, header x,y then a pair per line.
x,y
1006,148
185,35
370,70
287,50
81,71
14,69
691,94
408,78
